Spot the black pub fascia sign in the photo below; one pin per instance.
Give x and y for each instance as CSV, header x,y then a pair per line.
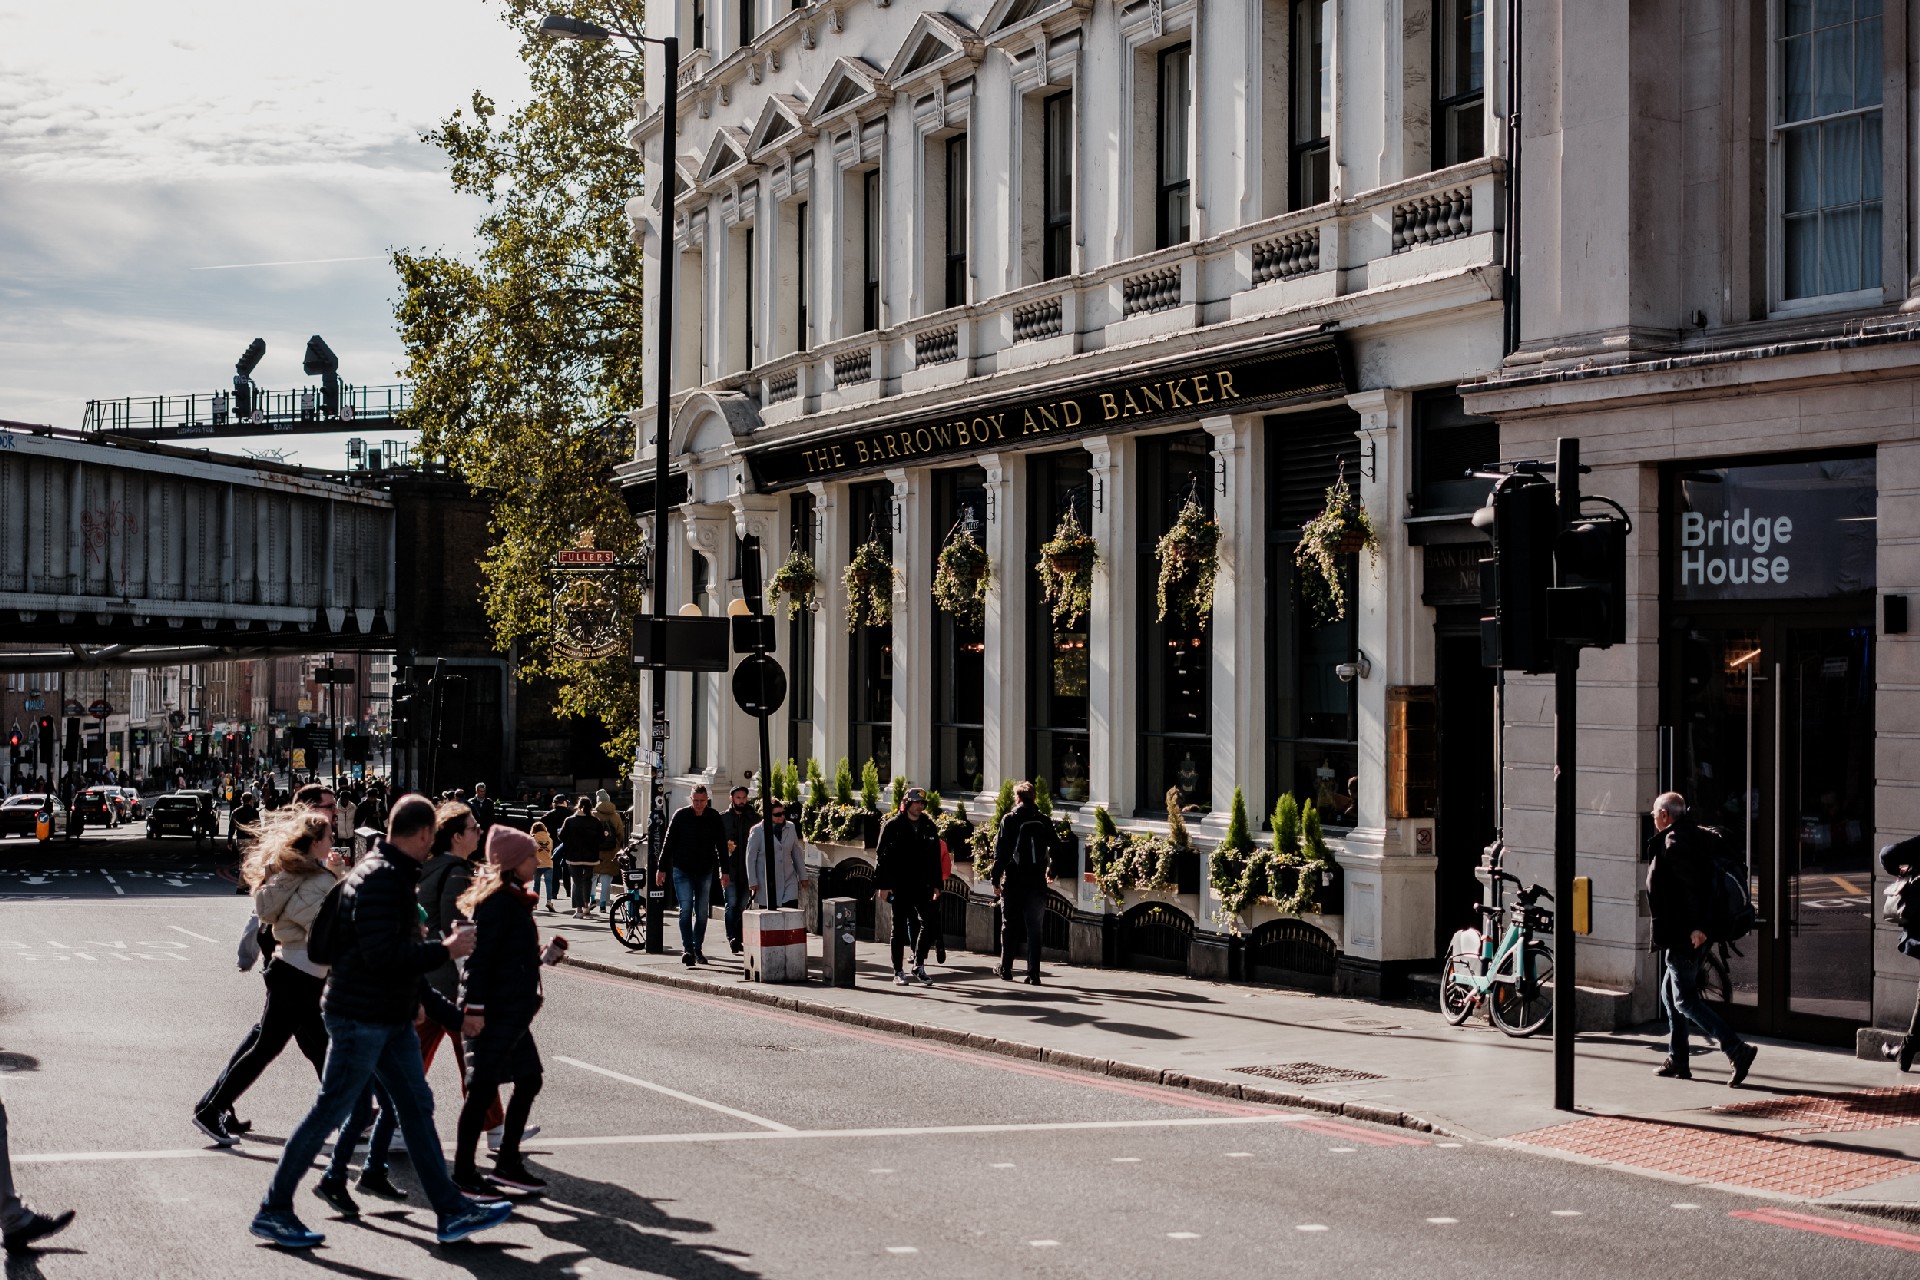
x,y
1145,397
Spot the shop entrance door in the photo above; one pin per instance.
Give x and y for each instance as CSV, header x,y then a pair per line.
x,y
1773,745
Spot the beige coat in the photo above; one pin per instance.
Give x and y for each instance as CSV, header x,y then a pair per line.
x,y
289,900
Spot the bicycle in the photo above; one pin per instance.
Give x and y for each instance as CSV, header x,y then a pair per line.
x,y
627,914
1512,979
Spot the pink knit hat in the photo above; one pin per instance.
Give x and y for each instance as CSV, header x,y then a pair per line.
x,y
508,849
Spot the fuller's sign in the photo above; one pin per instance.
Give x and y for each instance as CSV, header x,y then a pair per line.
x,y
1147,395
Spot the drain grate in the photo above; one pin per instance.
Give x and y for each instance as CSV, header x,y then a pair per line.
x,y
1310,1073
1834,1112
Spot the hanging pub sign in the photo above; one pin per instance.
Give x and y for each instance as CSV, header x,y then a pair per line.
x,y
1147,394
1774,531
587,618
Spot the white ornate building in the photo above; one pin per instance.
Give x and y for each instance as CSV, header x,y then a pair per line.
x,y
995,260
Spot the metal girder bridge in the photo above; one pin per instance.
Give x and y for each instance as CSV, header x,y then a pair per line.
x,y
156,551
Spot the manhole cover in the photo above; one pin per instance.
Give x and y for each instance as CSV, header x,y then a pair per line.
x,y
1310,1073
1739,1159
1834,1112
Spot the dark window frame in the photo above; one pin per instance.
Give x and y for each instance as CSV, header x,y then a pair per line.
x,y
1448,102
1161,495
1173,198
748,11
1056,219
753,297
1055,478
1309,155
800,291
800,535
870,506
699,25
870,250
954,490
956,220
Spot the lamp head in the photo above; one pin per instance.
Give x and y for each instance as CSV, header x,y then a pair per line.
x,y
559,26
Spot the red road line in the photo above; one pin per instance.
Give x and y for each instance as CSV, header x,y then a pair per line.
x,y
1831,1227
1150,1093
1335,1129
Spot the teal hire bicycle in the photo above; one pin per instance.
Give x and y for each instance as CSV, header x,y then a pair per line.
x,y
1510,973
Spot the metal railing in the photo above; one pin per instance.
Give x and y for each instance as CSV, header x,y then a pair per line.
x,y
305,410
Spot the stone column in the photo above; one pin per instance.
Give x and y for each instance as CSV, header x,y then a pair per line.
x,y
1388,862
709,529
913,556
1113,630
1005,539
831,656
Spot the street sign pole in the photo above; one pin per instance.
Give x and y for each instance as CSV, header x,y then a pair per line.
x,y
1566,687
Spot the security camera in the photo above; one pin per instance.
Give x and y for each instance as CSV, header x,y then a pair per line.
x,y
1359,667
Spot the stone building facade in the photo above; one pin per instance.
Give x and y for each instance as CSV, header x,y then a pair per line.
x,y
985,263
1716,298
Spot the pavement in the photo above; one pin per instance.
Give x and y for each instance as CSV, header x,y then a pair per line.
x,y
689,1134
1810,1124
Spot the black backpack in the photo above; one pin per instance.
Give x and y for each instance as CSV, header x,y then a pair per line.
x,y
1031,844
329,937
1730,905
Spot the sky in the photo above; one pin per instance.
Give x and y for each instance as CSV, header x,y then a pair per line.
x,y
154,154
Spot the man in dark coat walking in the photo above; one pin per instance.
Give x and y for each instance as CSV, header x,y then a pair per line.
x,y
909,875
1023,852
1680,893
696,846
739,821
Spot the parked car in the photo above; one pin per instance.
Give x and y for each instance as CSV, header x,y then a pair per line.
x,y
17,814
98,805
130,807
176,814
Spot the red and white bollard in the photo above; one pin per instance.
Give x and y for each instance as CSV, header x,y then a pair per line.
x,y
776,946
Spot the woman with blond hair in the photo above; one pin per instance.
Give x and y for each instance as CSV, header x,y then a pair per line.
x,y
290,869
500,994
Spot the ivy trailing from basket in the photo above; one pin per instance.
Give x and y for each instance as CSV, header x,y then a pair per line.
x,y
796,579
869,583
1066,570
960,578
1342,528
1189,565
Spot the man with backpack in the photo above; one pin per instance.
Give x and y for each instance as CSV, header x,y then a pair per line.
x,y
909,874
368,931
1022,868
1691,911
1902,907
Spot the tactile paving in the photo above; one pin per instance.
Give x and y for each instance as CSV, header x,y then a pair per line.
x,y
1759,1161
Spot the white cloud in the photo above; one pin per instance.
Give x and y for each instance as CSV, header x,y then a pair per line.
x,y
142,139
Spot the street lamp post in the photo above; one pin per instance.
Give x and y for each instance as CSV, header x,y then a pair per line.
x,y
561,26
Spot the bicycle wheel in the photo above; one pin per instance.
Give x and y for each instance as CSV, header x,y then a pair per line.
x,y
628,921
1457,996
1522,1003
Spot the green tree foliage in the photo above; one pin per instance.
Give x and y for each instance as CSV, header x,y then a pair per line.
x,y
1238,841
524,355
1042,795
870,787
1286,824
843,782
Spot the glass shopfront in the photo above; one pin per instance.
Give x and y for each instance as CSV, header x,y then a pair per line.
x,y
1176,653
1057,670
1767,651
870,691
960,647
1312,715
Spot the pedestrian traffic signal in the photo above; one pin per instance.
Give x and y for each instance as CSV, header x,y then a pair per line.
x,y
13,738
1588,603
406,710
46,739
1514,581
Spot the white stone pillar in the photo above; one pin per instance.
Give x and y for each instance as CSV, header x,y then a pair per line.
x,y
913,555
832,657
1237,687
1005,533
1113,629
1389,862
709,528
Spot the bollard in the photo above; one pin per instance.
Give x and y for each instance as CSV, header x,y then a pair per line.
x,y
776,946
839,918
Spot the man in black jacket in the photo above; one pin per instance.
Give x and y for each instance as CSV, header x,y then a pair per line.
x,y
1022,868
696,845
1903,860
909,874
739,821
1680,894
378,957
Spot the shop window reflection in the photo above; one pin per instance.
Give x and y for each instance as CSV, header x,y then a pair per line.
x,y
1057,678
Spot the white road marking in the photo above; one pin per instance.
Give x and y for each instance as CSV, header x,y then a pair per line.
x,y
1044,1244
737,1114
739,1135
1239,1155
1686,1206
1126,1159
879,1171
191,934
1449,1146
1183,1235
113,882
901,1248
1311,1226
1568,1213
1345,1151
1001,1166
1443,1222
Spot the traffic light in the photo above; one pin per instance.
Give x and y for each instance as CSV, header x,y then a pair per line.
x,y
13,737
353,746
1514,581
453,711
46,739
406,710
1588,603
73,738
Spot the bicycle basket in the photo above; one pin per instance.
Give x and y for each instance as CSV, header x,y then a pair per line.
x,y
1539,919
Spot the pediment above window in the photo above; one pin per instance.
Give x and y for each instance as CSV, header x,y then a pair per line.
x,y
727,152
782,122
852,86
937,45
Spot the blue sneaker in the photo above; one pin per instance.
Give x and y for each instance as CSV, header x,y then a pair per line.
x,y
280,1227
476,1217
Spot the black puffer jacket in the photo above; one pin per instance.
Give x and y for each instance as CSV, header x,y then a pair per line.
x,y
1027,876
503,973
909,857
1680,886
376,978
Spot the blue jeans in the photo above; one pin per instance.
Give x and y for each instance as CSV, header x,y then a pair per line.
x,y
1680,998
549,877
358,1052
694,894
363,1115
603,891
736,909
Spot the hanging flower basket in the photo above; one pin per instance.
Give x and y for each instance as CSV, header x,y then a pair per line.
x,y
960,578
796,579
1189,565
1066,570
869,583
1342,529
